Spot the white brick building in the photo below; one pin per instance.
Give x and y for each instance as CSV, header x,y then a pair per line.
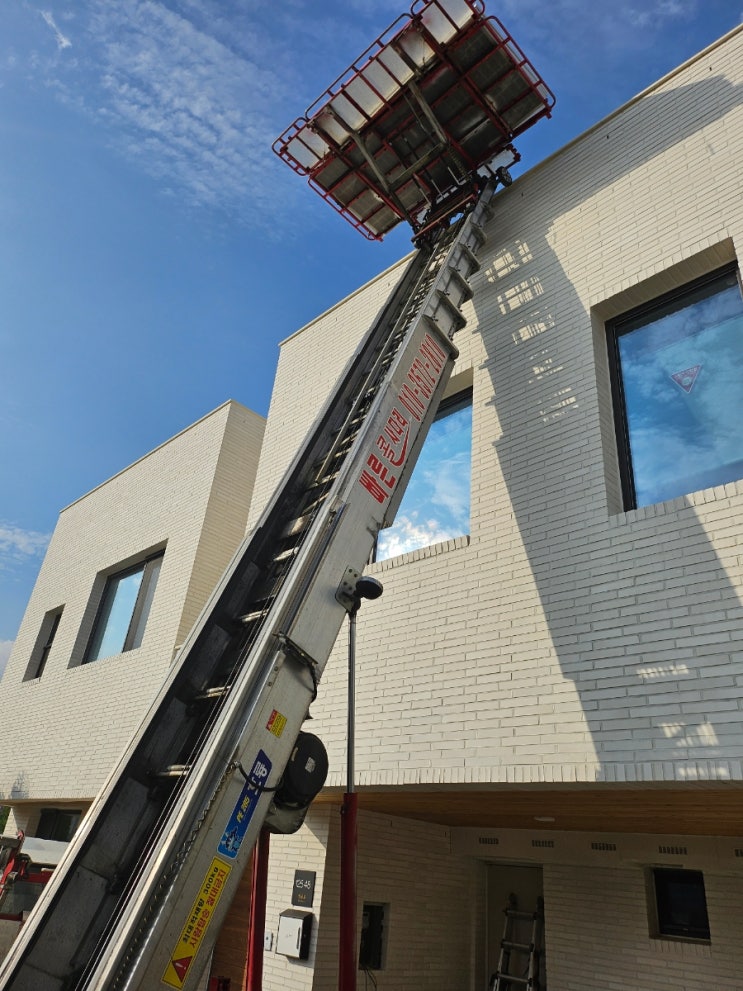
x,y
549,703
188,499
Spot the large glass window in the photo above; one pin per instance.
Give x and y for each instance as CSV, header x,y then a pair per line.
x,y
436,504
678,381
124,609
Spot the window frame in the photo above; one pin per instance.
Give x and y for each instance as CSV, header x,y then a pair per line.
x,y
661,926
145,593
632,320
58,823
44,642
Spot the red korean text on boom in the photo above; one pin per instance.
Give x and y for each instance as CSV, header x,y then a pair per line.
x,y
379,475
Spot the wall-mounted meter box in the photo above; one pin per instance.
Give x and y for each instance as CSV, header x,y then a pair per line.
x,y
295,930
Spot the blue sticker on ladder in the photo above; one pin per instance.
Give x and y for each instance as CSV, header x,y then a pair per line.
x,y
236,828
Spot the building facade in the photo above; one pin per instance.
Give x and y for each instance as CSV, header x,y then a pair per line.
x,y
549,698
127,571
550,690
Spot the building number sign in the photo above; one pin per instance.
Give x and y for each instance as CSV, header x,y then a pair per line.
x,y
303,891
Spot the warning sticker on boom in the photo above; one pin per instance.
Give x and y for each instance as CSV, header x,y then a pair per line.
x,y
242,813
196,925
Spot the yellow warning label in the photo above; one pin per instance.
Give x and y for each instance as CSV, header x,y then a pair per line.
x,y
276,723
196,925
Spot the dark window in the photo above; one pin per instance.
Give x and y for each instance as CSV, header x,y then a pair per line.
x,y
58,824
44,641
373,936
680,903
436,504
677,375
125,606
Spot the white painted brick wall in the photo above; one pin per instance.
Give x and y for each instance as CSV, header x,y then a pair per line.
x,y
63,732
597,935
433,921
565,640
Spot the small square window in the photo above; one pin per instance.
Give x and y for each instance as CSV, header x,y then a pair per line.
x,y
43,645
679,909
436,503
677,377
125,607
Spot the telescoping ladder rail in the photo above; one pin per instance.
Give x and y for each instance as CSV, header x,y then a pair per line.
x,y
519,959
141,893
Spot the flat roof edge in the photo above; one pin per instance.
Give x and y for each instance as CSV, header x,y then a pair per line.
x,y
160,446
637,97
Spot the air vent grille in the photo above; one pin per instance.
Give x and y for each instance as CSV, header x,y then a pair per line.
x,y
488,840
605,847
738,852
543,843
677,851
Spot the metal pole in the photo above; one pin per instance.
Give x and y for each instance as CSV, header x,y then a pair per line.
x,y
257,926
347,934
351,727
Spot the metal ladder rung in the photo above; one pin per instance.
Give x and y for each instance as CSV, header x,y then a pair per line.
x,y
513,979
174,771
253,616
527,947
311,508
211,694
325,480
296,526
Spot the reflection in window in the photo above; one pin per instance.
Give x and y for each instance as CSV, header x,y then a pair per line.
x,y
678,378
125,606
436,504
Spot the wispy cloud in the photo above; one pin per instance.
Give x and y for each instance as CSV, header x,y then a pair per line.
x,y
62,40
18,545
608,27
184,105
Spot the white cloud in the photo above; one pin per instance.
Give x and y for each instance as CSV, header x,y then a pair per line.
x,y
17,544
409,534
185,106
5,648
450,485
61,39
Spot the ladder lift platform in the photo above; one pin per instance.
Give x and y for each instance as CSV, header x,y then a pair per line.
x,y
436,98
140,894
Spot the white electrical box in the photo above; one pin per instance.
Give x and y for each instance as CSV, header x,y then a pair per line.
x,y
295,930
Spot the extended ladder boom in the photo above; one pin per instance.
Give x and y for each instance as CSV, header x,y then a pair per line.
x,y
140,895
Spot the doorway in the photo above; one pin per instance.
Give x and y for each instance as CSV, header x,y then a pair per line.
x,y
508,884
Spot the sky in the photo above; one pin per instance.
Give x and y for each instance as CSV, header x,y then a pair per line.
x,y
154,251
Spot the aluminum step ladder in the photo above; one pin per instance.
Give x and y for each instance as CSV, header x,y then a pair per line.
x,y
139,897
519,961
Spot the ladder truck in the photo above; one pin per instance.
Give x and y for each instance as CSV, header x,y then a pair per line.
x,y
413,131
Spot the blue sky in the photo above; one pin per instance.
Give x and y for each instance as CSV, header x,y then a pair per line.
x,y
153,251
